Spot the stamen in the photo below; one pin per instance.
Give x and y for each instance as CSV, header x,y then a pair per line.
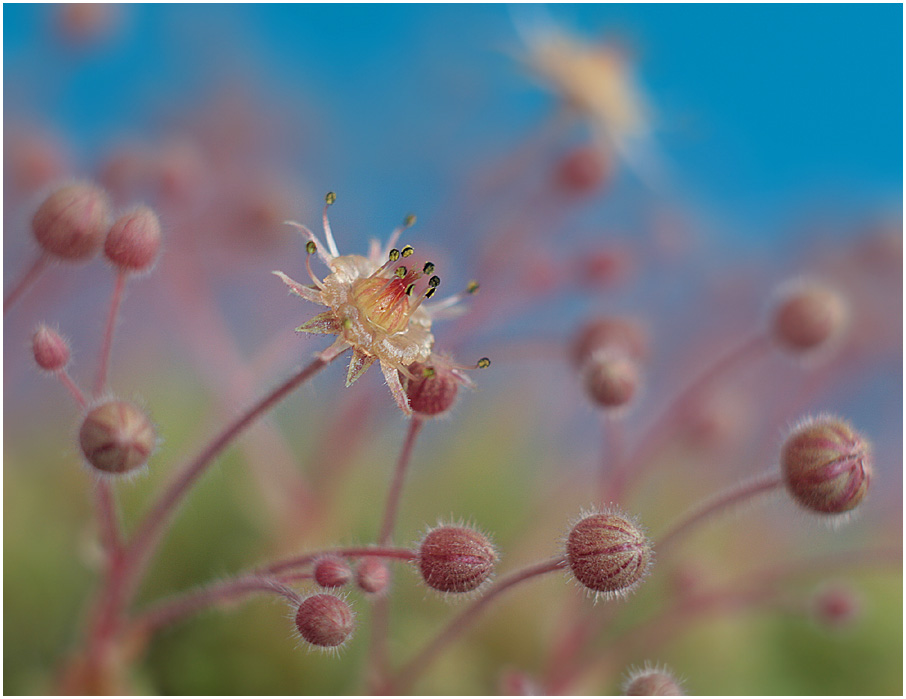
x,y
331,243
428,268
434,282
408,222
311,248
483,363
304,230
401,271
472,287
408,251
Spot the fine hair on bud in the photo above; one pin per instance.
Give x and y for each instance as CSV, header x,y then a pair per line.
x,y
826,465
51,351
431,390
455,559
325,621
610,378
372,576
652,681
332,571
808,315
70,224
608,553
610,333
134,240
117,437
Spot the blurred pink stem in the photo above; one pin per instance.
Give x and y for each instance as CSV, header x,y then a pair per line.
x,y
654,437
100,383
396,487
717,504
416,667
280,567
27,280
70,386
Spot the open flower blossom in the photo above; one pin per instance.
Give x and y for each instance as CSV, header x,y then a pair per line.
x,y
376,305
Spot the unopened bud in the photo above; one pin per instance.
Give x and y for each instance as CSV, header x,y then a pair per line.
x,y
456,559
652,682
609,333
134,240
325,620
332,571
372,576
432,389
826,465
582,171
51,351
608,553
611,379
117,437
809,316
71,223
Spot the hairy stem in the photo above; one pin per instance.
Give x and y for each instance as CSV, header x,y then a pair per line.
x,y
100,384
28,279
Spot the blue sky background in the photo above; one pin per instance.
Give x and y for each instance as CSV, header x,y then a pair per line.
x,y
767,111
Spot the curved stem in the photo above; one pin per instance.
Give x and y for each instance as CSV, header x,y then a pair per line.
x,y
173,610
663,426
719,503
100,383
396,487
281,567
28,279
107,518
416,667
71,386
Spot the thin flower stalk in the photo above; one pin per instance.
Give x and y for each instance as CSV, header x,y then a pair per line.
x,y
116,299
25,282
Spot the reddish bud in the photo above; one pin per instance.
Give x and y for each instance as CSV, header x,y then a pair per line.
x,y
608,553
609,333
51,351
808,316
72,221
611,379
134,240
652,682
117,437
455,559
837,606
826,465
582,171
332,571
372,576
432,390
325,620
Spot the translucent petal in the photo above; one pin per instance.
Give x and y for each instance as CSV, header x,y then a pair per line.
x,y
358,365
325,323
306,292
396,388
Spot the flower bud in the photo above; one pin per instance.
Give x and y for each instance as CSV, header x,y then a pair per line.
x,y
652,682
332,571
582,171
117,437
837,606
134,240
826,465
609,333
611,379
51,351
71,223
808,316
325,620
372,576
432,390
455,559
608,553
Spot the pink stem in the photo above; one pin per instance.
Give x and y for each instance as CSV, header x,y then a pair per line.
x,y
719,503
27,280
663,427
280,567
70,385
100,383
380,609
416,667
173,610
107,519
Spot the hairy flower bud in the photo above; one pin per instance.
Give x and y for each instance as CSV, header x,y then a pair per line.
x,y
609,333
608,553
432,390
652,682
826,465
134,240
325,620
455,559
373,576
51,351
117,437
611,379
71,223
808,316
332,571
